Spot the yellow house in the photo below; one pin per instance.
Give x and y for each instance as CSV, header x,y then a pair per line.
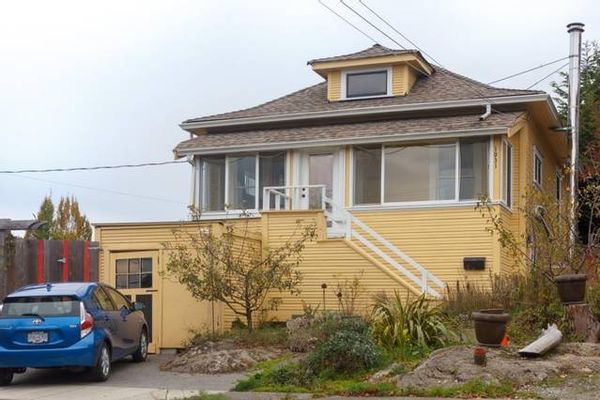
x,y
388,156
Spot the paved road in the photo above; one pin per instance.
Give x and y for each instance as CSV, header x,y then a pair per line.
x,y
129,381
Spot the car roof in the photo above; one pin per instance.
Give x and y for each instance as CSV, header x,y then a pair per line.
x,y
78,289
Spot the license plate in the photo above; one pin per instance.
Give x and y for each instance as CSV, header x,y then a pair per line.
x,y
37,337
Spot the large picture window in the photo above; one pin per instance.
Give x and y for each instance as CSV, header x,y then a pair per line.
x,y
437,172
420,173
237,182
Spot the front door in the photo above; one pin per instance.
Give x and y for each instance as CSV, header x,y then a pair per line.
x,y
322,167
135,274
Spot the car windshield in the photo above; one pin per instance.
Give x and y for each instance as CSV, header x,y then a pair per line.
x,y
40,306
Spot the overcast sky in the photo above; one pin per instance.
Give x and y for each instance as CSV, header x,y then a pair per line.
x,y
90,83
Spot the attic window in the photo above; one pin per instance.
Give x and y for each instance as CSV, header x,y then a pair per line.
x,y
371,83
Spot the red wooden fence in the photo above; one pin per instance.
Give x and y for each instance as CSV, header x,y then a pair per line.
x,y
30,261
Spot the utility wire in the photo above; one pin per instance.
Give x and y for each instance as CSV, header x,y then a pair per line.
x,y
527,70
549,75
348,22
117,192
397,31
148,164
372,24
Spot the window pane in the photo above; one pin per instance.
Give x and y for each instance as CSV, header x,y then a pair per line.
x,y
320,172
420,173
122,266
367,175
366,84
271,172
134,281
213,184
121,281
473,169
134,265
146,280
146,265
242,183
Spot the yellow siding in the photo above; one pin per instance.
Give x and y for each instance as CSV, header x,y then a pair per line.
x,y
181,313
334,86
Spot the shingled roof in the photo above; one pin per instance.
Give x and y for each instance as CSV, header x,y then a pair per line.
x,y
376,50
442,85
346,131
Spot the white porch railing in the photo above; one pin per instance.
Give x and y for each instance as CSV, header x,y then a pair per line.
x,y
342,223
304,197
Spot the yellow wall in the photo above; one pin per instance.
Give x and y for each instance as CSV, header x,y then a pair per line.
x,y
181,313
334,85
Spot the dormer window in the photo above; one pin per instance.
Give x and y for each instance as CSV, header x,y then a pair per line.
x,y
366,83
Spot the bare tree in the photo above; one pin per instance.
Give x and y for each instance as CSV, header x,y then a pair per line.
x,y
228,263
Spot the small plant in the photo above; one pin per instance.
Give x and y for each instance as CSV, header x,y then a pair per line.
x,y
410,325
348,293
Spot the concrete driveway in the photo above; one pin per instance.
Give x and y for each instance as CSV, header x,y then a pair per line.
x,y
128,381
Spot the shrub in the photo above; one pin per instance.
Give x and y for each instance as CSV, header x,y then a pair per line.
x,y
300,335
410,325
330,323
344,351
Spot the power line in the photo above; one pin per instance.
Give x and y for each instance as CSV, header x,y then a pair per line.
x,y
117,192
527,70
348,22
397,31
549,75
148,164
373,25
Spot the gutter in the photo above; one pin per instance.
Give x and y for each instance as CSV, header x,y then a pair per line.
x,y
371,111
398,137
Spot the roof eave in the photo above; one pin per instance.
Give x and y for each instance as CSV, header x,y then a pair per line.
x,y
497,130
373,111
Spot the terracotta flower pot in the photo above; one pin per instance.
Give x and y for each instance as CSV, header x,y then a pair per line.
x,y
490,326
571,288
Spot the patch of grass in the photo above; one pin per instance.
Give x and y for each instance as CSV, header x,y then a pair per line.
x,y
204,396
354,388
469,389
267,335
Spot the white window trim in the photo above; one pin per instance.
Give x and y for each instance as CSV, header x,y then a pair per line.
x,y
537,154
558,183
424,203
358,71
506,145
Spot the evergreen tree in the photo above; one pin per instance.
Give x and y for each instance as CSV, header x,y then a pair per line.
x,y
46,214
589,126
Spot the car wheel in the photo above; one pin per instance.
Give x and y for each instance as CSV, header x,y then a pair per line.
x,y
101,370
6,376
142,351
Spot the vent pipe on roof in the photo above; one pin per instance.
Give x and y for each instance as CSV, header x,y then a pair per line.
x,y
575,29
487,113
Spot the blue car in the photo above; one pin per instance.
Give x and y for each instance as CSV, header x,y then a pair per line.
x,y
58,325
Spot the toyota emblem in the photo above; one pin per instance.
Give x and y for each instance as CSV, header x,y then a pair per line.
x,y
37,321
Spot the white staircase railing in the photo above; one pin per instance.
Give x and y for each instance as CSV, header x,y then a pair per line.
x,y
373,240
342,223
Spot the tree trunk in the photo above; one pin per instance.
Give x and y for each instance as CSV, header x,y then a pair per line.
x,y
583,322
249,320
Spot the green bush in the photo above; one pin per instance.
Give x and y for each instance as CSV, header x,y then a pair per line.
x,y
344,351
330,323
410,325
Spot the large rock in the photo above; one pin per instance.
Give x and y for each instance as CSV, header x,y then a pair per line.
x,y
454,365
220,357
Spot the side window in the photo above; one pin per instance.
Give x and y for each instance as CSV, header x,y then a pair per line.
x,y
537,167
102,300
118,299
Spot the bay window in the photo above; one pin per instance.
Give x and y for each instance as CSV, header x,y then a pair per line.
x,y
236,182
437,172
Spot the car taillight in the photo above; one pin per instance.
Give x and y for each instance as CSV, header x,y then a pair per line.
x,y
86,321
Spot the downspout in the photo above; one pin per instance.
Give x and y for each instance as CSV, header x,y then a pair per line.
x,y
575,29
487,113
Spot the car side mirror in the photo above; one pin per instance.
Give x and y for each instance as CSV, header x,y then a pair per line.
x,y
137,306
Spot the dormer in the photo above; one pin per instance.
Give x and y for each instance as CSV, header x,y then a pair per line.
x,y
372,73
